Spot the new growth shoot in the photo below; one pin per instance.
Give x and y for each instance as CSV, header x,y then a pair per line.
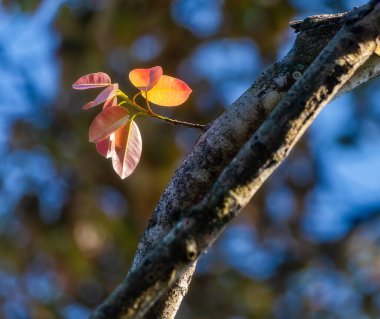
x,y
114,131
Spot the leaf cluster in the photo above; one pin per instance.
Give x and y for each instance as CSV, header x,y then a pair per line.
x,y
114,131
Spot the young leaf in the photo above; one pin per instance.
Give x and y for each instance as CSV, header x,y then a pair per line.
x,y
168,91
107,94
126,149
110,102
145,79
92,80
106,122
104,147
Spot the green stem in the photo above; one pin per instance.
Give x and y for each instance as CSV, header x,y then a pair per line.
x,y
147,104
149,112
135,96
131,102
134,116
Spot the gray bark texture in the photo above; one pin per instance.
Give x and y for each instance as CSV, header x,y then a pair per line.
x,y
332,55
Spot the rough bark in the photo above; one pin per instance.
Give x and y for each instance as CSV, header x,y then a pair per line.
x,y
224,139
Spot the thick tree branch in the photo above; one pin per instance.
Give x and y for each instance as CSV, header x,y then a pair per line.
x,y
222,141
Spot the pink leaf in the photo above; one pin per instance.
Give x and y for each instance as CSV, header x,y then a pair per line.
x,y
104,96
92,80
145,79
106,122
111,102
108,103
168,91
126,149
104,147
88,105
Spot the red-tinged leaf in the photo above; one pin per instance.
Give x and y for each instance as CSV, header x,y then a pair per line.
x,y
145,79
92,80
104,96
126,149
110,102
168,91
88,105
104,147
106,122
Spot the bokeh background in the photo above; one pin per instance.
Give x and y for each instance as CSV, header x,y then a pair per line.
x,y
307,246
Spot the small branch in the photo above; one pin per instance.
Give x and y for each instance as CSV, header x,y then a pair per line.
x,y
263,152
177,122
149,112
316,21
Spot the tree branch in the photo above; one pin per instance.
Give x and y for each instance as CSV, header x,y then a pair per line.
x,y
222,141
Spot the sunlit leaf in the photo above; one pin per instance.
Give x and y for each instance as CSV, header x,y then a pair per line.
x,y
168,91
92,80
126,149
106,95
106,122
104,147
145,79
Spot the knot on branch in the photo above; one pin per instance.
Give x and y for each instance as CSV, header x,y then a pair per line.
x,y
191,249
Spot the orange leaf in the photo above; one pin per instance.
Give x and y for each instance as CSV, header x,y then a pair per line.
x,y
105,96
126,149
145,79
106,122
168,91
92,80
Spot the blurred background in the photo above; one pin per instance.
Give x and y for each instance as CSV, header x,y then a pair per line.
x,y
307,246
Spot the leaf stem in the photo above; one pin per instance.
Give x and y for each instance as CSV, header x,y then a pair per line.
x,y
147,104
135,96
